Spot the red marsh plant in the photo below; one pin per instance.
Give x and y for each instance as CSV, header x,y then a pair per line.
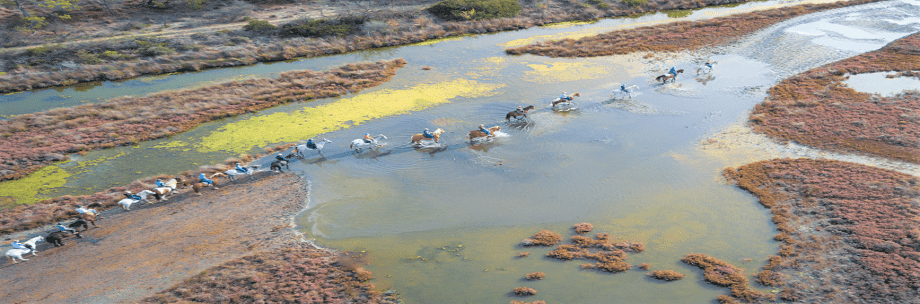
x,y
47,212
666,275
582,228
117,59
723,274
31,141
535,276
609,256
676,36
852,228
302,274
543,238
524,291
816,108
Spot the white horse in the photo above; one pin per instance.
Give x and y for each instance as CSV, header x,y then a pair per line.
x,y
167,189
14,254
232,173
359,143
32,243
623,94
127,202
319,147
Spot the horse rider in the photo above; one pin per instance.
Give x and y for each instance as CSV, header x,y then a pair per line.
x,y
564,97
240,169
484,130
17,245
708,64
623,88
204,180
368,138
62,228
160,183
673,72
427,134
280,157
311,144
519,110
133,196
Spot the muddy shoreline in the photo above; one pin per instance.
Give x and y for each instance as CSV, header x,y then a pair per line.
x,y
155,246
32,141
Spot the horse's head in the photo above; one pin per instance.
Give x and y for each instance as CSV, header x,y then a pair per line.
x,y
326,140
438,131
530,107
381,136
576,94
495,128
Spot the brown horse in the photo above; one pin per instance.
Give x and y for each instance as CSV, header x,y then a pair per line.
x,y
57,238
417,138
569,99
515,113
478,133
664,78
88,217
169,189
198,186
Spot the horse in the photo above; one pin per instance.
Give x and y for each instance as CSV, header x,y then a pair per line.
x,y
81,223
417,138
277,165
197,186
319,147
232,173
359,143
57,238
168,188
564,100
515,113
621,92
672,77
14,254
479,133
127,202
31,243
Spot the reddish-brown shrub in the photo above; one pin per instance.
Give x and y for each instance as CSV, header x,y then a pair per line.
x,y
666,275
524,291
582,228
535,276
543,238
645,266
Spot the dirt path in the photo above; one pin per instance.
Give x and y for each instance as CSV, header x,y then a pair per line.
x,y
152,247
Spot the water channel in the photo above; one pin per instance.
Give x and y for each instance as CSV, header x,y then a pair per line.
x,y
442,224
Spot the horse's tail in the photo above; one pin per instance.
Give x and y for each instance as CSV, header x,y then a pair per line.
x,y
156,194
508,116
218,174
351,146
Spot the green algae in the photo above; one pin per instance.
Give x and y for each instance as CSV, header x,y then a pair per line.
x,y
27,190
346,113
564,71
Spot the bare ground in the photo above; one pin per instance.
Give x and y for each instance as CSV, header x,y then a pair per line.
x,y
152,247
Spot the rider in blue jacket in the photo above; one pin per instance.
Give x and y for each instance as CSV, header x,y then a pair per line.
x,y
311,144
564,97
160,183
673,72
484,130
368,138
17,245
62,228
203,179
427,134
133,196
240,169
280,157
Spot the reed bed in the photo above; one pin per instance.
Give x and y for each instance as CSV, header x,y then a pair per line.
x,y
297,274
673,37
128,58
31,141
723,274
816,108
852,229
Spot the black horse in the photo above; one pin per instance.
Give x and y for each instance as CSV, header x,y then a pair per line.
x,y
276,165
57,238
515,113
664,78
79,223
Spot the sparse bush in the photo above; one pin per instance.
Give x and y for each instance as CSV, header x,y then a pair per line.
x,y
536,276
88,58
323,27
666,275
462,10
524,291
634,2
261,26
543,238
150,49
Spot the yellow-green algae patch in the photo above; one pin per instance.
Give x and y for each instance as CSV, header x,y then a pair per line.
x,y
568,24
283,127
172,144
564,71
434,41
25,191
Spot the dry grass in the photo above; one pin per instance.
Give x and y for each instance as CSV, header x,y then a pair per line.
x,y
816,108
851,228
672,37
34,141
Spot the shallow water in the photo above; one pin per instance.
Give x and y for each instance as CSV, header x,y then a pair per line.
x,y
878,83
441,224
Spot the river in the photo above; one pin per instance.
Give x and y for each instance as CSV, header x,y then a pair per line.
x,y
442,224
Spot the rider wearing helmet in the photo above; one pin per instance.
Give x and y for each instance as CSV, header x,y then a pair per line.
x,y
368,138
240,169
204,180
673,72
311,144
564,97
62,228
623,88
519,110
17,245
280,157
131,195
484,130
709,64
427,134
160,183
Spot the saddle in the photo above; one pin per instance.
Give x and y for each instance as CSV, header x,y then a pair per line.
x,y
241,170
311,146
367,141
427,135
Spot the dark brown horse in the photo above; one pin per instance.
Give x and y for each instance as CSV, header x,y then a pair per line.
x,y
276,165
197,186
78,224
88,217
561,100
664,78
515,113
57,238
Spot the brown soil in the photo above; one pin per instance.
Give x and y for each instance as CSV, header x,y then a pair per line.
x,y
849,232
142,251
31,141
816,108
208,44
677,36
